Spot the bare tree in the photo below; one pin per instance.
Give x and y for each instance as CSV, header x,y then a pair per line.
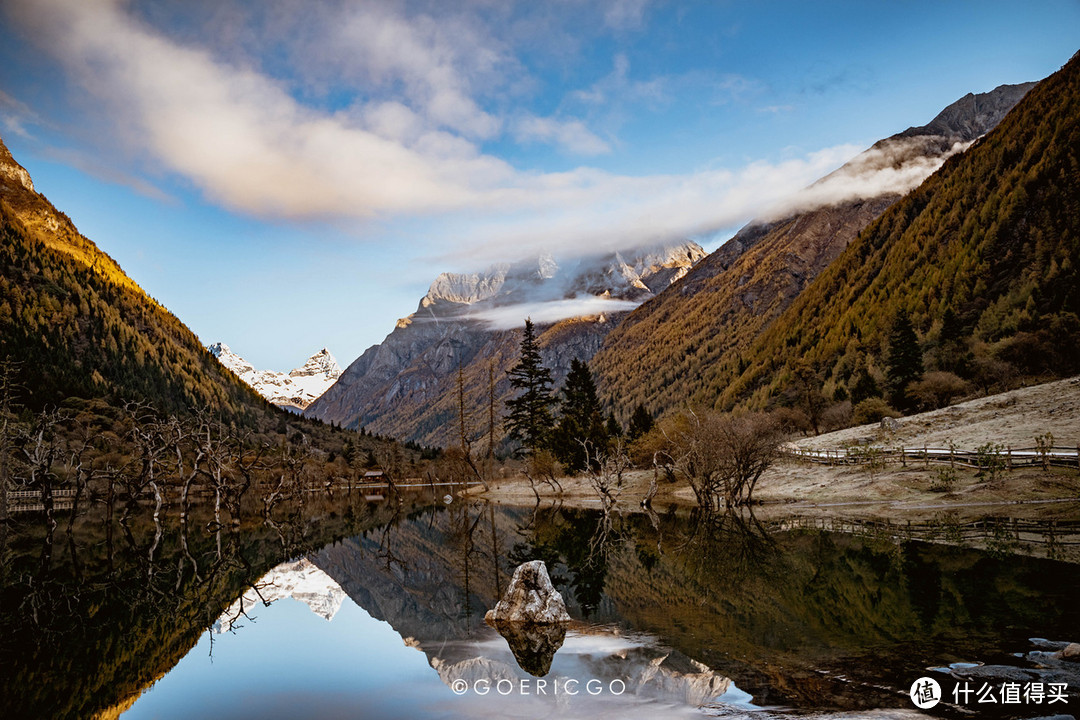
x,y
39,448
606,470
79,470
466,439
8,390
291,469
721,456
247,460
491,412
152,438
542,466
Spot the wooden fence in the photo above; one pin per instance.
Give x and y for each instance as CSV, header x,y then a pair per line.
x,y
30,500
999,457
64,499
1057,535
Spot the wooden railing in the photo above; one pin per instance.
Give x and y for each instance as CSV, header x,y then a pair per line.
x,y
1000,456
1059,534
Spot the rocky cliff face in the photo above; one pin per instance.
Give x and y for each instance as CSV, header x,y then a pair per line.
x,y
673,348
974,114
405,386
12,173
294,390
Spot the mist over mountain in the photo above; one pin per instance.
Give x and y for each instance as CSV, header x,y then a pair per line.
x,y
404,386
993,238
662,353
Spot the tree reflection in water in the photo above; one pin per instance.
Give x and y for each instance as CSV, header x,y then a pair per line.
x,y
796,615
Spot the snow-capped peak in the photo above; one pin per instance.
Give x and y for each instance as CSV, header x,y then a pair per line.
x,y
231,360
293,390
300,580
321,363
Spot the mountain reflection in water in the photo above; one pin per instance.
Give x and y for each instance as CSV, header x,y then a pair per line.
x,y
673,612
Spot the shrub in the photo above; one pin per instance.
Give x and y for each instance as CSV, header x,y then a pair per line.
x,y
872,410
989,460
937,389
944,479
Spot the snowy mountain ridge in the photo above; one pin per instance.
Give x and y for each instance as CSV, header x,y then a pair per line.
x,y
293,390
300,580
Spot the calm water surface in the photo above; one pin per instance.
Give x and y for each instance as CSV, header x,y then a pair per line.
x,y
354,610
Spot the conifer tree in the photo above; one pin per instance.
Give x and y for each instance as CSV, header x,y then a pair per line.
x,y
530,420
904,364
581,420
614,429
641,422
863,385
951,351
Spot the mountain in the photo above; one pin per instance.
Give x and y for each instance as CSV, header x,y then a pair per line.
x,y
680,346
993,237
406,385
297,579
294,390
75,324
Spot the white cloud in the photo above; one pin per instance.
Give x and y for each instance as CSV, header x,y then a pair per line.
x,y
892,166
589,211
15,115
625,14
508,317
618,87
434,61
571,135
243,139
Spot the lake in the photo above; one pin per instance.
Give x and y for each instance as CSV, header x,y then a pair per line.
x,y
348,609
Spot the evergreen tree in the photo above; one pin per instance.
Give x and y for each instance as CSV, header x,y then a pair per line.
x,y
951,352
614,429
904,364
863,385
807,395
581,419
641,422
530,420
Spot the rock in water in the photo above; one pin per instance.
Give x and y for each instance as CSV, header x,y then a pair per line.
x,y
533,644
530,598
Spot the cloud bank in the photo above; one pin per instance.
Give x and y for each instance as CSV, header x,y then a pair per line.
x,y
894,166
413,142
508,317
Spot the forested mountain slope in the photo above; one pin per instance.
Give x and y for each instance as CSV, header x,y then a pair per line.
x,y
74,324
675,348
993,237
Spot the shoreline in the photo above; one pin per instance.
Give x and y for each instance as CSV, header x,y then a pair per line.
x,y
912,488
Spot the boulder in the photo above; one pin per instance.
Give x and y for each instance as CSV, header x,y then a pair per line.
x,y
530,598
1071,652
533,644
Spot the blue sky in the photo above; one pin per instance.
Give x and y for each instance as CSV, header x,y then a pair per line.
x,y
288,175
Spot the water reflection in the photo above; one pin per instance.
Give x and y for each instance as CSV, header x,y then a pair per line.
x,y
681,610
533,645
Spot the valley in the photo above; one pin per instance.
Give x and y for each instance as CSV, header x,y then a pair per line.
x,y
724,394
